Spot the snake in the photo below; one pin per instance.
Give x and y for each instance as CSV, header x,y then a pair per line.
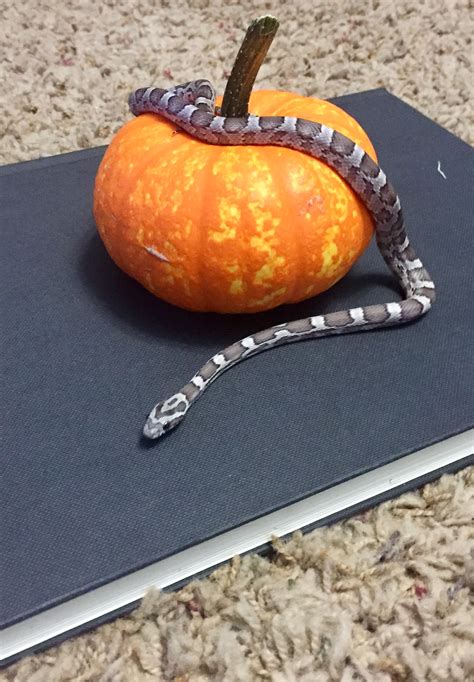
x,y
192,108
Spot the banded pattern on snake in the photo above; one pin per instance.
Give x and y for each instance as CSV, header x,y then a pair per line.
x,y
191,106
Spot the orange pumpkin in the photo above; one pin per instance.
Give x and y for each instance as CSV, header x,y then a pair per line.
x,y
229,228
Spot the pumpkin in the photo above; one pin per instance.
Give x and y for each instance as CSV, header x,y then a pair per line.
x,y
230,229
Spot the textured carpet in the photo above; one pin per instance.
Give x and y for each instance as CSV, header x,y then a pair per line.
x,y
385,596
68,71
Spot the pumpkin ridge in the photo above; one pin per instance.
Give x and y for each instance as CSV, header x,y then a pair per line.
x,y
171,273
207,208
126,204
292,241
190,238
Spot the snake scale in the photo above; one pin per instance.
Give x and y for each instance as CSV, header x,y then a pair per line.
x,y
191,106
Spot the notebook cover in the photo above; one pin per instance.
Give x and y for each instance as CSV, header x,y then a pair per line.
x,y
86,352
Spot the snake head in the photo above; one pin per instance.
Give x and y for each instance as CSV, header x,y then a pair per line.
x,y
165,416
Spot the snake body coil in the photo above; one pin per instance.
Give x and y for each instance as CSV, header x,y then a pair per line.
x,y
191,106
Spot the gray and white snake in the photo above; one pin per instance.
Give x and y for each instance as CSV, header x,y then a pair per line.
x,y
191,106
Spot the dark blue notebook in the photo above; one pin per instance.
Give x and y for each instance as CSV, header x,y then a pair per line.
x,y
92,514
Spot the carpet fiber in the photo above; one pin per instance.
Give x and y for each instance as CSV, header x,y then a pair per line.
x,y
385,596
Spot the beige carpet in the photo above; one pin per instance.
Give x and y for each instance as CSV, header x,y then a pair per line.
x,y
69,70
384,596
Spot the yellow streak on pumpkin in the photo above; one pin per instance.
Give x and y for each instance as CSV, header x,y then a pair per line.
x,y
168,279
330,264
261,186
192,166
174,271
300,180
342,204
266,242
229,214
176,200
187,227
236,287
136,197
171,251
268,270
227,166
268,298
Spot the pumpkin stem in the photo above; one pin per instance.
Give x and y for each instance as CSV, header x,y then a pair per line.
x,y
252,52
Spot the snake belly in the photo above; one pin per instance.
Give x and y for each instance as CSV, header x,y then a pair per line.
x,y
191,106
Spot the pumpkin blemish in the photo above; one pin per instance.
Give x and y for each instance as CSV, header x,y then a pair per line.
x,y
154,252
